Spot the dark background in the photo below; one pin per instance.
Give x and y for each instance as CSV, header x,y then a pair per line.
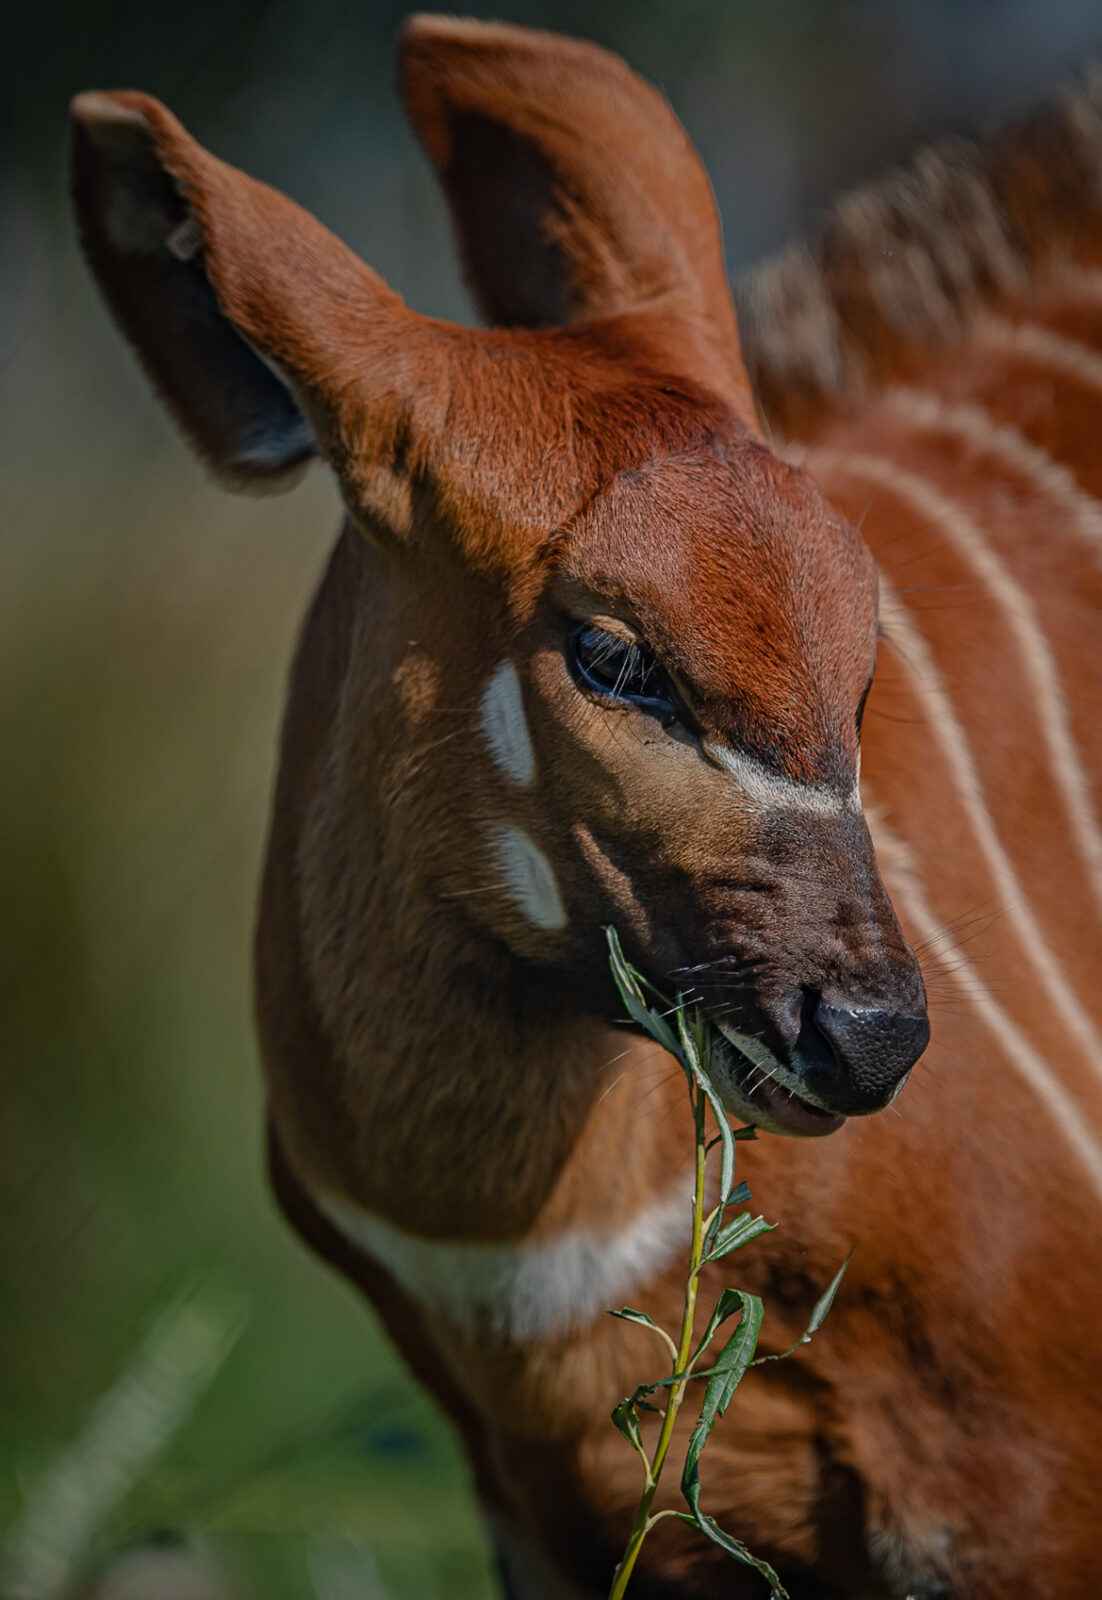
x,y
169,1358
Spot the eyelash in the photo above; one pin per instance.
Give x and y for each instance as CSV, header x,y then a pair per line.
x,y
625,671
592,651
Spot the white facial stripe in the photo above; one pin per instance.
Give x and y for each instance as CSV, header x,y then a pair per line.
x,y
529,878
506,727
523,1290
772,793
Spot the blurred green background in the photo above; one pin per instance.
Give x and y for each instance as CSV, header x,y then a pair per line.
x,y
170,1358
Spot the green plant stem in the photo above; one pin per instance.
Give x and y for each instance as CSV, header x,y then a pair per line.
x,y
682,1364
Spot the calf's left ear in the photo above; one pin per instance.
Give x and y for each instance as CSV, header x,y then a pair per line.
x,y
576,193
268,339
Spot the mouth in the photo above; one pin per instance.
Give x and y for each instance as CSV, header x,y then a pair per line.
x,y
758,1088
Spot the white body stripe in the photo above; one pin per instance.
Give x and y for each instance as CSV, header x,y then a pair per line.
x,y
506,726
967,539
528,877
1082,285
1042,345
910,897
1012,450
945,726
770,792
524,1291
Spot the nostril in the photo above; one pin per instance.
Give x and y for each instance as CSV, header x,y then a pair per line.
x,y
787,1014
815,1049
874,1048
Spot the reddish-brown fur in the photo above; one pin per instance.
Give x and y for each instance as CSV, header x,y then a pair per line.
x,y
450,1064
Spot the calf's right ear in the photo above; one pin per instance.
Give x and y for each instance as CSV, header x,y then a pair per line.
x,y
267,338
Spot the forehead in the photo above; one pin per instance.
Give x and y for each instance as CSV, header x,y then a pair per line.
x,y
745,581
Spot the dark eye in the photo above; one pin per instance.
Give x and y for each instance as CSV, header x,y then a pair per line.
x,y
617,668
861,707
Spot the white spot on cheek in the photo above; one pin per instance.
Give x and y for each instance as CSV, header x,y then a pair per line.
x,y
529,878
506,727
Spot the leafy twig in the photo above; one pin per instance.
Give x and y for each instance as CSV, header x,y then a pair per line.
x,y
712,1238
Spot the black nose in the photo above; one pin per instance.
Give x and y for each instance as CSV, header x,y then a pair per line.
x,y
854,1059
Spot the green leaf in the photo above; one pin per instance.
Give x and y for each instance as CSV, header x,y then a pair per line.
x,y
728,1303
818,1317
694,1034
728,1372
729,1367
626,1419
629,1314
640,1318
733,1235
639,1397
826,1300
734,1547
739,1194
629,983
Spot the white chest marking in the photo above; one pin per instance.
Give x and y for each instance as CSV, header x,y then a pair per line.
x,y
770,792
525,1291
506,726
529,878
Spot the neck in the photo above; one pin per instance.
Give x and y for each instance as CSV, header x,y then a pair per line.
x,y
499,1113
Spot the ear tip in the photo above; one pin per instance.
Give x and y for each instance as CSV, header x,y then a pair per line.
x,y
426,33
465,63
109,119
433,25
112,108
449,64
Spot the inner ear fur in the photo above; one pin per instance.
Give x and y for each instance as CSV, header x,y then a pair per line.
x,y
575,192
264,334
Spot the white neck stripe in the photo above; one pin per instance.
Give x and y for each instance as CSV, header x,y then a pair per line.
x,y
522,1290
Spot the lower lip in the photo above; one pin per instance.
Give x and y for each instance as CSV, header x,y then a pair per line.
x,y
787,1113
767,1104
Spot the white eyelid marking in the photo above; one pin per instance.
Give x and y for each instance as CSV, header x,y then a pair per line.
x,y
529,878
773,793
506,726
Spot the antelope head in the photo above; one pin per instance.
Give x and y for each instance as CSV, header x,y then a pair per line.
x,y
614,651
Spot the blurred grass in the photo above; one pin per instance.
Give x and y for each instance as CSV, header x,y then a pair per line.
x,y
146,621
